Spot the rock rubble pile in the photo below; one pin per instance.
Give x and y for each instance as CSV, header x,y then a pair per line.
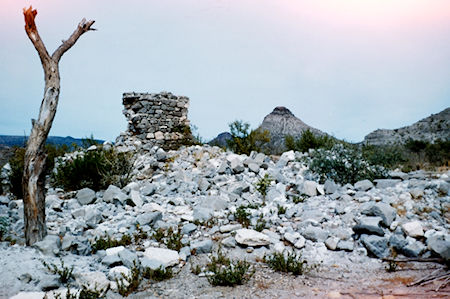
x,y
197,191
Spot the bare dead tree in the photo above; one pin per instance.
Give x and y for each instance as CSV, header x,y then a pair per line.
x,y
33,175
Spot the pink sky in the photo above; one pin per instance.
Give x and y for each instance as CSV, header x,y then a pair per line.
x,y
374,63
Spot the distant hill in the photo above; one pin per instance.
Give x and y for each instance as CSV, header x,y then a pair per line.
x,y
282,122
221,139
431,128
8,140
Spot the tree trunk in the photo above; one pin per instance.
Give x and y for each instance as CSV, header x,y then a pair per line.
x,y
33,181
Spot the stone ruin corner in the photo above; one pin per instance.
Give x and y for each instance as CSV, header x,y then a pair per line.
x,y
154,119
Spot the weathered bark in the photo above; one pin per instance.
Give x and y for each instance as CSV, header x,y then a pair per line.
x,y
34,176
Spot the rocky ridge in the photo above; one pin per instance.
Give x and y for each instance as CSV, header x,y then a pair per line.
x,y
282,122
198,189
431,128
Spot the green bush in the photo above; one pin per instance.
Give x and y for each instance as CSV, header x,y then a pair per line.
x,y
17,165
263,185
4,224
242,216
289,263
342,165
308,140
65,273
227,273
244,141
386,156
107,242
96,169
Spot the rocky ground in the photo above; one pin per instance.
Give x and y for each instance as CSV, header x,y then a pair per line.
x,y
343,230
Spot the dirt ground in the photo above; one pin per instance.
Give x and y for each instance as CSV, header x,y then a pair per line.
x,y
331,282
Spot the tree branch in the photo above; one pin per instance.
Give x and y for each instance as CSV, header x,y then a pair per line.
x,y
83,26
33,35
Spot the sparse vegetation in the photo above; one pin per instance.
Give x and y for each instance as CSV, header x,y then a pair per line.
x,y
260,223
17,163
263,185
159,274
226,272
103,243
287,262
342,165
243,140
95,169
242,216
174,239
127,284
64,273
4,224
308,140
281,210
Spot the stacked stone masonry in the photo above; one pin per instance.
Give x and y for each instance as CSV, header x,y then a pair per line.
x,y
154,119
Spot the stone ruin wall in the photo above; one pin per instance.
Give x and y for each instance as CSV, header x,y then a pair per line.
x,y
154,119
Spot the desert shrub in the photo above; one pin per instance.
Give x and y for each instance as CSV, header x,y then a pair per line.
x,y
16,174
4,224
416,146
127,284
263,184
243,140
386,156
226,272
308,140
87,293
438,153
242,216
64,273
289,263
260,223
17,165
159,274
342,165
103,243
95,169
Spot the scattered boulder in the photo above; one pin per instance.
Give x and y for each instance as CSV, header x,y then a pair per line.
x,y
154,257
85,196
413,229
376,245
363,185
250,237
369,225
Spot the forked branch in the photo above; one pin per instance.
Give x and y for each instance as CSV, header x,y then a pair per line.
x,y
83,26
32,32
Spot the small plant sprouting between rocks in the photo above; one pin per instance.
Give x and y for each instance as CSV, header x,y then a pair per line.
x,y
84,293
281,210
196,270
391,266
127,284
174,239
289,263
4,224
226,272
260,223
263,185
65,273
242,216
159,274
107,242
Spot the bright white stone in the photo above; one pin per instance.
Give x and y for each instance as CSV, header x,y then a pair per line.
x,y
251,237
